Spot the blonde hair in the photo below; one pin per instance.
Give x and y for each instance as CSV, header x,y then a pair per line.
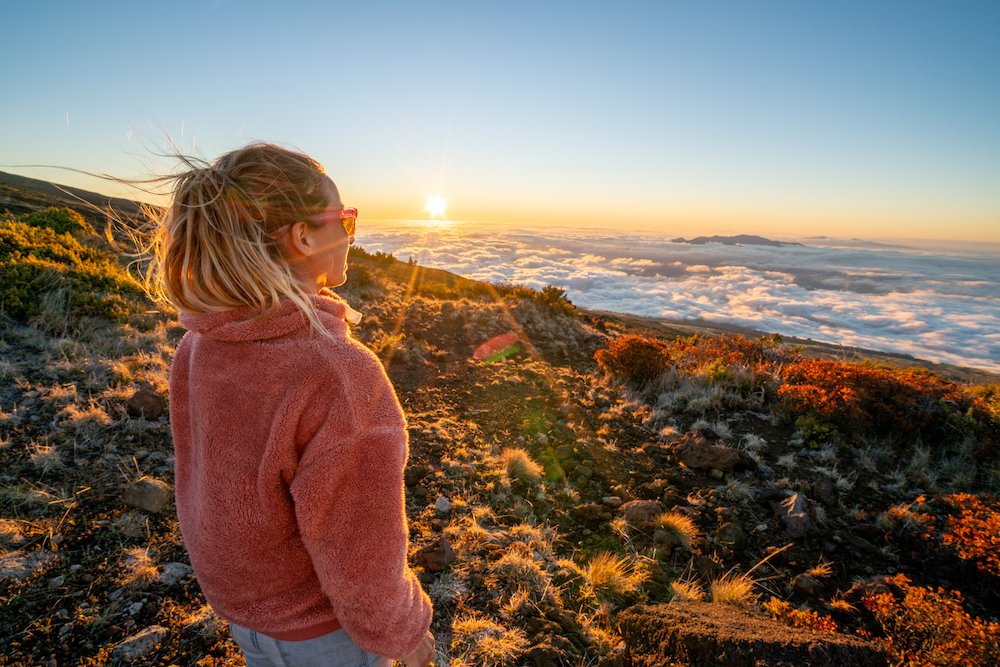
x,y
211,250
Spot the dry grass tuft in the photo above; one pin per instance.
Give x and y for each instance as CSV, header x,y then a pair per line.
x,y
734,589
820,570
520,465
138,568
205,622
130,524
74,417
681,525
44,456
686,591
478,640
517,568
610,576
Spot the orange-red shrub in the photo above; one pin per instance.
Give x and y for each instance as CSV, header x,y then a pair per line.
x,y
637,358
789,615
859,398
975,533
928,628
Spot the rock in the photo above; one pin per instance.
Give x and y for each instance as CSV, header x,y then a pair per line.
x,y
420,491
732,535
707,568
612,501
696,452
172,573
145,403
21,566
435,556
543,439
872,587
715,473
620,491
666,540
825,491
795,516
544,654
148,495
140,644
642,512
57,582
583,471
415,474
698,633
808,586
590,513
442,505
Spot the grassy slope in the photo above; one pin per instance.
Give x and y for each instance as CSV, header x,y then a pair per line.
x,y
529,570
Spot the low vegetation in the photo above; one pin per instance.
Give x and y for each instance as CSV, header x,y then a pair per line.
x,y
596,468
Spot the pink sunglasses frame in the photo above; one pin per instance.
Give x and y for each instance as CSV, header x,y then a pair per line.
x,y
327,216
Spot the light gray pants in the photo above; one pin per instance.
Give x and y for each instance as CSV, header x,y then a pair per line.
x,y
333,650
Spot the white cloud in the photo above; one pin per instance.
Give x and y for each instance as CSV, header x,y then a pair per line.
x,y
937,307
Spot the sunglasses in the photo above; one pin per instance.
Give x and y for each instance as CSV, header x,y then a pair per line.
x,y
348,217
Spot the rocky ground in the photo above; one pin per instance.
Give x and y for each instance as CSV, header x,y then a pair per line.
x,y
536,492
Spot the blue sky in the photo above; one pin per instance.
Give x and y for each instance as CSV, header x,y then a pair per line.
x,y
875,119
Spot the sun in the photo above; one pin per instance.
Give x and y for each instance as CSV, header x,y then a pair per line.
x,y
435,206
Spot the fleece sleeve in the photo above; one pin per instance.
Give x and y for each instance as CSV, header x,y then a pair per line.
x,y
349,505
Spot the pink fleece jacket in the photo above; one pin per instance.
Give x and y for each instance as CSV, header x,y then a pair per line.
x,y
289,470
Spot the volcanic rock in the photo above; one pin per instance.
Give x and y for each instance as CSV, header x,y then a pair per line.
x,y
825,491
696,452
140,644
732,535
795,515
148,495
435,556
145,403
21,566
642,512
808,586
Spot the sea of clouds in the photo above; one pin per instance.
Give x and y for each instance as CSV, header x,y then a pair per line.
x,y
934,305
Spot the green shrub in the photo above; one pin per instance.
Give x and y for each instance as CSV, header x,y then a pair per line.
x,y
61,220
36,262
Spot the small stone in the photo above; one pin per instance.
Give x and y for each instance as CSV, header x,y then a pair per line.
x,y
134,608
589,512
642,512
694,451
808,586
795,515
57,582
731,534
140,644
584,472
435,556
420,491
116,594
172,573
148,495
612,501
74,568
825,491
21,566
442,505
543,439
715,473
415,474
145,403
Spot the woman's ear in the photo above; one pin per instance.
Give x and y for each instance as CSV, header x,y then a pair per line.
x,y
300,239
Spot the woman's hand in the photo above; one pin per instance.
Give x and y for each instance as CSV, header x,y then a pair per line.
x,y
422,656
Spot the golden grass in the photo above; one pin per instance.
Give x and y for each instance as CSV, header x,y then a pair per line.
x,y
681,525
519,465
734,589
517,568
138,568
478,640
611,576
686,591
820,570
44,456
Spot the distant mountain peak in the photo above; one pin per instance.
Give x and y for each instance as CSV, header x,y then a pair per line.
x,y
741,239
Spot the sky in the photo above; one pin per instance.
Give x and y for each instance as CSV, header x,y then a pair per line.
x,y
875,120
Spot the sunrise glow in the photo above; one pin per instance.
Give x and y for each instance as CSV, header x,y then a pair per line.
x,y
435,206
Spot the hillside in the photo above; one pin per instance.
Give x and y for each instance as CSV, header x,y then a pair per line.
x,y
553,494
